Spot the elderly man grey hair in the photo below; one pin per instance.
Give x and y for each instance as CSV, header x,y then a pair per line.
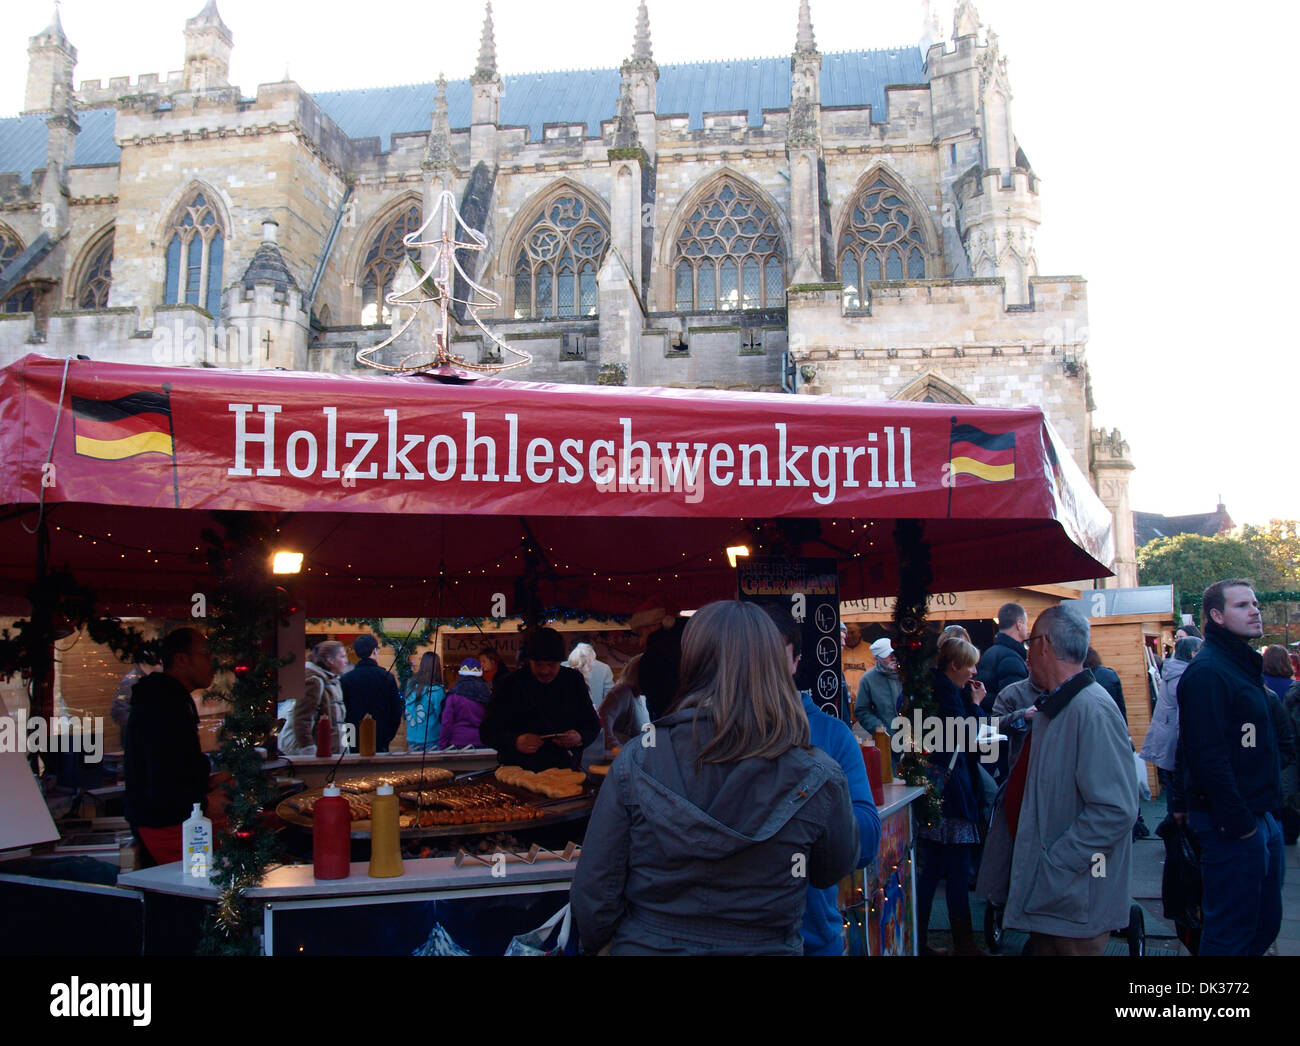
x,y
1067,632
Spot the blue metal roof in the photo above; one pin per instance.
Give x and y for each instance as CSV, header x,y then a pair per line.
x,y
586,96
589,96
23,141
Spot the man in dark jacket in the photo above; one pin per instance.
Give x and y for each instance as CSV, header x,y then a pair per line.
x,y
166,771
369,689
1229,776
1004,661
540,716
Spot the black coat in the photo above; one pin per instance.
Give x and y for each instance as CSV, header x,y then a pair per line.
x,y
1220,696
1109,679
522,705
166,771
1002,663
370,689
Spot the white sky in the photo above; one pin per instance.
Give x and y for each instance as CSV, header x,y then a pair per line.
x,y
1145,119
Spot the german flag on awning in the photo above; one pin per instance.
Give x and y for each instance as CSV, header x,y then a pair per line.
x,y
110,430
989,456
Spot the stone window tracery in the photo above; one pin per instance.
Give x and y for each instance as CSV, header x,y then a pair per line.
x,y
21,299
555,269
729,254
382,262
194,257
881,241
97,277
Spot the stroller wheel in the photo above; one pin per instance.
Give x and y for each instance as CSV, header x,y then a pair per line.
x,y
1136,933
993,928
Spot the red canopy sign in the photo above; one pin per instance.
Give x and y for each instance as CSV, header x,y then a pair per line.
x,y
625,483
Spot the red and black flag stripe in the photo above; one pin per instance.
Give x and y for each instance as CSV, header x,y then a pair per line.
x,y
990,456
139,423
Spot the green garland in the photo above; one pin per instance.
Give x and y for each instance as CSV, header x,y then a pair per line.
x,y
246,610
916,651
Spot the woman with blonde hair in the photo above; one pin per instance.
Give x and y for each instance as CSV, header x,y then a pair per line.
x,y
946,848
322,698
710,828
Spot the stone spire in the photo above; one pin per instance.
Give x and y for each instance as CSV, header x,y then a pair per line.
x,y
208,43
805,43
803,145
486,70
965,20
638,98
641,45
625,131
53,32
437,154
805,85
50,61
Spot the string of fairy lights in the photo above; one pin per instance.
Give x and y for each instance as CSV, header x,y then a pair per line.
x,y
492,565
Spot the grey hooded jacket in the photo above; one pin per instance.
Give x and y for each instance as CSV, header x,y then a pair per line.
x,y
1161,744
683,858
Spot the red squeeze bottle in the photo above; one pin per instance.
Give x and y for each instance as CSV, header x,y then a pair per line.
x,y
871,757
331,829
323,738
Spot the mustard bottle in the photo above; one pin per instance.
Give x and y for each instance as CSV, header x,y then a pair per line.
x,y
385,841
366,736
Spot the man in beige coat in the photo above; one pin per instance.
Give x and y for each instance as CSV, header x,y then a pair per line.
x,y
1059,852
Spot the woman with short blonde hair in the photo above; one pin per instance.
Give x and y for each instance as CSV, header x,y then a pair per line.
x,y
945,849
710,828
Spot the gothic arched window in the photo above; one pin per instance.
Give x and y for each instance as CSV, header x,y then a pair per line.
x,y
555,269
383,260
97,276
10,248
729,254
23,299
881,241
194,255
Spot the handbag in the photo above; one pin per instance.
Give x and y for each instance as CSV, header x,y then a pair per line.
x,y
535,941
1144,786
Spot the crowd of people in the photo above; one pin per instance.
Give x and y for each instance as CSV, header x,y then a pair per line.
x,y
735,806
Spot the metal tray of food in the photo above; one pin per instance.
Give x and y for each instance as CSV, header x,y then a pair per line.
x,y
542,811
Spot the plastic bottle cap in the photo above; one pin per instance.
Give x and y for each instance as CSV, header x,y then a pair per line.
x,y
197,811
384,789
331,791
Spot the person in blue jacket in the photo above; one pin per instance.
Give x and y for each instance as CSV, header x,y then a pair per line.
x,y
823,927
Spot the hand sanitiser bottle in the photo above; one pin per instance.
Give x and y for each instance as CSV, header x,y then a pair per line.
x,y
196,846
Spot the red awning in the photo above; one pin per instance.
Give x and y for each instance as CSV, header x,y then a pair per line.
x,y
388,483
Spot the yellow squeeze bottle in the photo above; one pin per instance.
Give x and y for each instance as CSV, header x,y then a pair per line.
x,y
366,735
385,842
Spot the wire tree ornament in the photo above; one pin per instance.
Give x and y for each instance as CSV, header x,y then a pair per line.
x,y
437,287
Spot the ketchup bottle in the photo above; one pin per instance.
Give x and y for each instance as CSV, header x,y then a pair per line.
x,y
331,827
323,750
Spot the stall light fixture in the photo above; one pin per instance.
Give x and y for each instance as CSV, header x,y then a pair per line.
x,y
734,552
286,563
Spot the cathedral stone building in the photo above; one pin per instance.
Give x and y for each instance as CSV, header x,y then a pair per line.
x,y
856,223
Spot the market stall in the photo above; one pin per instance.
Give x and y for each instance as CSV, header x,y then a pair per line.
x,y
490,499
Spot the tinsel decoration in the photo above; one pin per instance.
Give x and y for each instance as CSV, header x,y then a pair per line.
x,y
916,652
245,609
